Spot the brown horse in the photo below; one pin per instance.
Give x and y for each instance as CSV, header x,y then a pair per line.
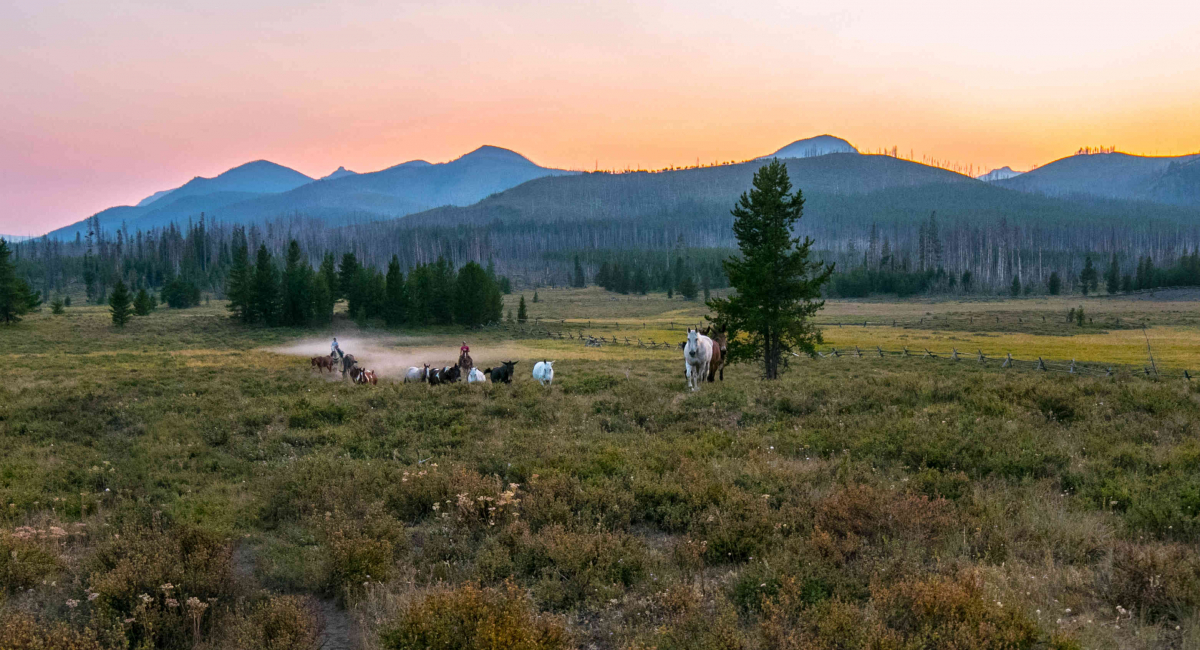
x,y
465,362
363,376
323,363
720,350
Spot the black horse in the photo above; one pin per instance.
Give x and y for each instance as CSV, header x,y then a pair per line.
x,y
348,362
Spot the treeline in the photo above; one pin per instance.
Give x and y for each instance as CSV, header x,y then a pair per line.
x,y
687,273
260,292
16,296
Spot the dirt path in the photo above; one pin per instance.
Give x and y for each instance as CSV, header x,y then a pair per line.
x,y
393,356
338,631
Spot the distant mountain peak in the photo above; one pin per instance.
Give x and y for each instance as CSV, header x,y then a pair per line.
x,y
1001,174
338,173
490,152
816,146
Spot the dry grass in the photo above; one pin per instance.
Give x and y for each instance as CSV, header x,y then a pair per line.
x,y
860,502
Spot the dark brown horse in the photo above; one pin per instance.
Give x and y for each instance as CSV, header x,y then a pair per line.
x,y
720,350
465,362
323,363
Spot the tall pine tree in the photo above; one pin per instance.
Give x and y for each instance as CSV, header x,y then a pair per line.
x,y
239,283
297,288
16,298
778,286
397,297
119,304
265,298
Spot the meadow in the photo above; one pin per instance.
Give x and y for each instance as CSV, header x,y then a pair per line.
x,y
192,483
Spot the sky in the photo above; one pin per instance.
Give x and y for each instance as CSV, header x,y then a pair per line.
x,y
104,103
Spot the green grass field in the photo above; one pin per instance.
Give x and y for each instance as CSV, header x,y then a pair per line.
x,y
190,483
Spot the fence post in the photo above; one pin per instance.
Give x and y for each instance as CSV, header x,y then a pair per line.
x,y
1072,370
880,350
906,350
981,357
857,352
1041,364
1007,361
835,353
954,354
929,354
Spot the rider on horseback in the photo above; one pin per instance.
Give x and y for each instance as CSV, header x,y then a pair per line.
x,y
464,357
335,351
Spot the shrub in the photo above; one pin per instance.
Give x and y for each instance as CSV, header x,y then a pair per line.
x,y
277,623
951,614
23,562
472,618
144,576
573,567
353,560
862,511
21,632
1160,580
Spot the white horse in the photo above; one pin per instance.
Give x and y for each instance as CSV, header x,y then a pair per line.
x,y
543,371
476,376
696,355
416,374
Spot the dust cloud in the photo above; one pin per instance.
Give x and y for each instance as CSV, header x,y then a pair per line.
x,y
393,356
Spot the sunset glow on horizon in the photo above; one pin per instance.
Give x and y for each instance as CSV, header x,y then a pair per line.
x,y
106,103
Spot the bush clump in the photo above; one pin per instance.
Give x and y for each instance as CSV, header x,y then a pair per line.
x,y
474,618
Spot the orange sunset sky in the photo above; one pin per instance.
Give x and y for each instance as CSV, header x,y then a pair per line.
x,y
103,103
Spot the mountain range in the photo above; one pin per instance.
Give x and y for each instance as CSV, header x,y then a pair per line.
x,y
492,184
260,191
1168,180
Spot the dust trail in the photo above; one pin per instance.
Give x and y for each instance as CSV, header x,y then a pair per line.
x,y
392,356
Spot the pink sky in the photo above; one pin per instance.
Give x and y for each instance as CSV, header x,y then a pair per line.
x,y
104,103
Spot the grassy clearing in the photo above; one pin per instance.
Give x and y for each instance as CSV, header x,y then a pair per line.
x,y
872,503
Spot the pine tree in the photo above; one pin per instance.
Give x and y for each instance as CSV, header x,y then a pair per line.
x,y
535,296
16,298
239,287
1054,284
578,280
1015,290
687,288
704,287
1088,278
397,296
472,293
119,304
265,296
522,316
778,286
1112,278
141,303
322,299
297,288
349,283
56,307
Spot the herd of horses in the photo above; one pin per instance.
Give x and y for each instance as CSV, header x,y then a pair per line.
x,y
543,371
704,355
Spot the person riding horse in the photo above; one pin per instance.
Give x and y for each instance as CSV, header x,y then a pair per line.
x,y
464,358
335,351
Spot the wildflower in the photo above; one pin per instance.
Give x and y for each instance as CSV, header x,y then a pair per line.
x,y
171,602
167,587
145,598
436,507
72,603
129,620
92,595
